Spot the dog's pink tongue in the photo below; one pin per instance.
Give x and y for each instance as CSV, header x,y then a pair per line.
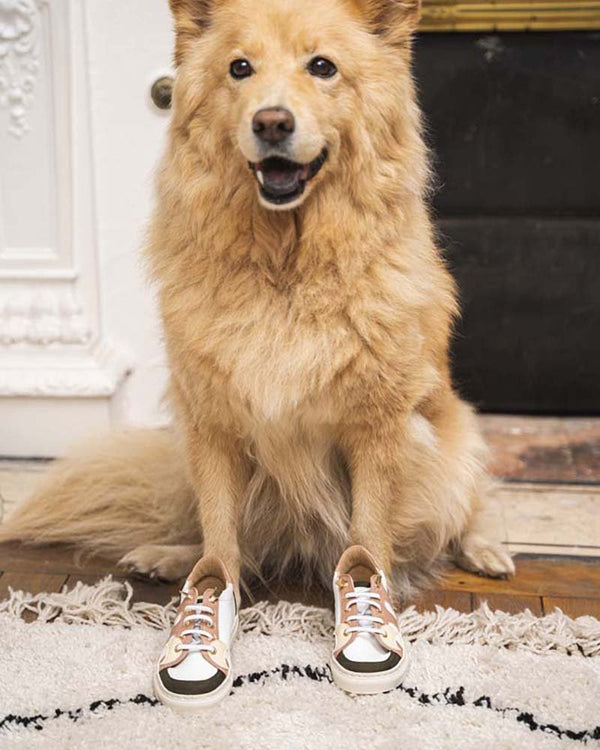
x,y
280,177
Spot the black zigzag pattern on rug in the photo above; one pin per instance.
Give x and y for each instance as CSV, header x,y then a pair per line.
x,y
449,697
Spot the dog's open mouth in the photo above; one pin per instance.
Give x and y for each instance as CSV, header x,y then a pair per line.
x,y
283,181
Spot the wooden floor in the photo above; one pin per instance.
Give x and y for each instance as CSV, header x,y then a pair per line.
x,y
541,583
543,449
530,450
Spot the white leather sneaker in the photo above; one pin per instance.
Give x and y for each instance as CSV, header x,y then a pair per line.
x,y
370,655
194,669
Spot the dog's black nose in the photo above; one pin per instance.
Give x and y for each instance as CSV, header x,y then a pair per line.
x,y
273,124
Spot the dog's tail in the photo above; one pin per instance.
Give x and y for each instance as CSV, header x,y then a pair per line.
x,y
111,496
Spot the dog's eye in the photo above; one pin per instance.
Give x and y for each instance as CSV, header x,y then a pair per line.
x,y
321,67
240,69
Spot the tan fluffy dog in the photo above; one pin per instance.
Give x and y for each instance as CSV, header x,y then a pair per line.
x,y
307,315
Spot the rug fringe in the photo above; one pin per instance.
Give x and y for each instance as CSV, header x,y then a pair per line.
x,y
109,602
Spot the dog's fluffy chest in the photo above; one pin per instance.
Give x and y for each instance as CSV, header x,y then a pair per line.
x,y
279,362
307,352
269,356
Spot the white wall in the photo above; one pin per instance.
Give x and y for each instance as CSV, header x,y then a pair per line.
x,y
79,137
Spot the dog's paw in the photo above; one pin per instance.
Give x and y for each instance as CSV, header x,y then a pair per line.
x,y
161,562
478,555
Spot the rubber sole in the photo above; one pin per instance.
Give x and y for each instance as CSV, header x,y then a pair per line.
x,y
369,683
191,704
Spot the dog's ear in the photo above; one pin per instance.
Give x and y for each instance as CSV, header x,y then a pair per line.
x,y
191,18
395,20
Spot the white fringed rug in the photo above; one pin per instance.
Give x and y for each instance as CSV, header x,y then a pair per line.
x,y
80,677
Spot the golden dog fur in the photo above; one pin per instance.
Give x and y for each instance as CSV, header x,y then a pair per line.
x,y
309,346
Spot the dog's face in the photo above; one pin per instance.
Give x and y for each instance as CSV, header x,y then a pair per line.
x,y
280,81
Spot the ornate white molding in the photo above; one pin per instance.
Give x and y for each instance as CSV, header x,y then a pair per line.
x,y
53,341
87,374
42,317
19,59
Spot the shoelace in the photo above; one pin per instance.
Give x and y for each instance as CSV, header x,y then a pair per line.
x,y
198,613
365,622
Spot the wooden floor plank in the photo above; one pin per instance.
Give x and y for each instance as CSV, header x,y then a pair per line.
x,y
554,579
52,559
561,449
572,606
537,576
155,593
34,583
459,600
90,579
511,603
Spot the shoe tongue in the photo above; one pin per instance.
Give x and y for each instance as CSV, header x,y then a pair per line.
x,y
208,594
363,606
195,597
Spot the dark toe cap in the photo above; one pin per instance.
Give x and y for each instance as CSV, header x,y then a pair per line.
x,y
368,666
191,687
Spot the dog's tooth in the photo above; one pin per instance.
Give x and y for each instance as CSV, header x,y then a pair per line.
x,y
259,176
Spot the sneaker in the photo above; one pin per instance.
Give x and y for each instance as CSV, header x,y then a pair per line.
x,y
369,656
194,669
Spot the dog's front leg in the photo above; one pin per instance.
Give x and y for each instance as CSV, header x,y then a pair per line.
x,y
374,463
219,473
